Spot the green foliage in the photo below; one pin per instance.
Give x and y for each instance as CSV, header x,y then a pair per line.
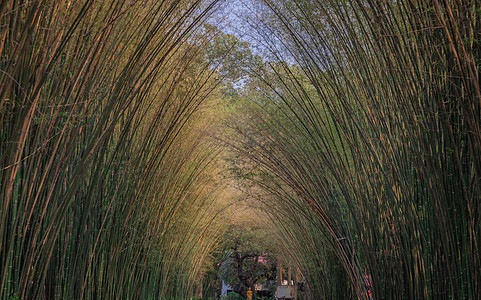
x,y
355,142
102,196
232,296
249,257
372,152
232,59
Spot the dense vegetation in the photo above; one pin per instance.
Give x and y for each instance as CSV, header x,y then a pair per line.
x,y
104,183
366,120
143,150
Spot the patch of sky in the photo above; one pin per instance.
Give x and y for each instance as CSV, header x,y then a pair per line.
x,y
248,20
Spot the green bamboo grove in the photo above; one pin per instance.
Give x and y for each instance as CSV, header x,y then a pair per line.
x,y
102,174
353,131
368,124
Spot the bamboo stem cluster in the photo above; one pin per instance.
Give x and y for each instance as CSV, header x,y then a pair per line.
x,y
368,125
104,185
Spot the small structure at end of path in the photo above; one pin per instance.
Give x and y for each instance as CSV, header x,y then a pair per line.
x,y
286,287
